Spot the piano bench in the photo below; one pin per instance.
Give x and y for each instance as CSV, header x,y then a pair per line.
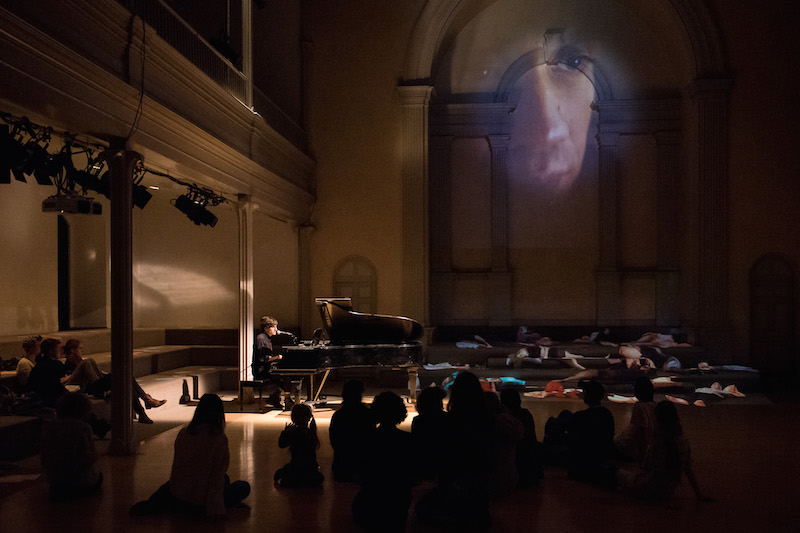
x,y
253,384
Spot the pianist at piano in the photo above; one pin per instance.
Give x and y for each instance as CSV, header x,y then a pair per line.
x,y
265,355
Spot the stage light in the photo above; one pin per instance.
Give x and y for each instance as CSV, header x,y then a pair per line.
x,y
84,178
194,207
140,193
6,143
141,196
49,169
14,155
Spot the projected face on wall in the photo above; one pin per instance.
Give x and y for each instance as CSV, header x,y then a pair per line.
x,y
551,122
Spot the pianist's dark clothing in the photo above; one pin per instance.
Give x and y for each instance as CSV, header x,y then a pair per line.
x,y
261,355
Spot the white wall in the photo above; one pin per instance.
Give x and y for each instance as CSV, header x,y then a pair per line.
x,y
185,275
275,271
28,268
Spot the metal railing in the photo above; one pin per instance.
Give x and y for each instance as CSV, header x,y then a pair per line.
x,y
173,29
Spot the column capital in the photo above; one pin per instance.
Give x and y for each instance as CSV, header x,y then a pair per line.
x,y
411,95
710,87
607,138
497,142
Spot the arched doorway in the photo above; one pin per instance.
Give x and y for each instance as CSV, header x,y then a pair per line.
x,y
355,278
772,319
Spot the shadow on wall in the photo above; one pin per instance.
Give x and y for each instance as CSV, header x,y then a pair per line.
x,y
41,318
176,287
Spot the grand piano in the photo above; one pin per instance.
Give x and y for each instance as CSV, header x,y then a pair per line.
x,y
354,340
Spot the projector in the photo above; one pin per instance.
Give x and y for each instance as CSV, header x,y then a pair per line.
x,y
69,203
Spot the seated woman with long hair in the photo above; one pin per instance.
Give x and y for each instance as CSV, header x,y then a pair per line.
x,y
668,457
199,481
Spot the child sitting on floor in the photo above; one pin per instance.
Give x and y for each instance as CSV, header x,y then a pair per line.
x,y
301,438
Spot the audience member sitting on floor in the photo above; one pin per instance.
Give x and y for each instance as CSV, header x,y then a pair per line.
x,y
428,432
461,497
32,347
667,458
633,441
507,433
68,453
591,439
350,428
199,481
381,506
46,382
84,372
529,461
555,444
300,436
47,377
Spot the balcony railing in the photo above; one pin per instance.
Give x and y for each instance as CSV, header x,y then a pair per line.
x,y
173,29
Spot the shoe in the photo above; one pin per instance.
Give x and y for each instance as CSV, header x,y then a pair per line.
x,y
144,419
150,402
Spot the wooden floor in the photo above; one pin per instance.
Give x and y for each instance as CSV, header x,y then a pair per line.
x,y
745,455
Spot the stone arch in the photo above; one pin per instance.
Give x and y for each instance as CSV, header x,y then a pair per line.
x,y
440,20
533,59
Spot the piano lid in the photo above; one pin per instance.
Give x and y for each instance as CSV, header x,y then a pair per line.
x,y
345,326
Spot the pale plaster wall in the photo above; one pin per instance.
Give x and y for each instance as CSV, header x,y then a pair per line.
x,y
355,137
28,269
184,275
275,271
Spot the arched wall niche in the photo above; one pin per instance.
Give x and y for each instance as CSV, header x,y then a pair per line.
x,y
355,277
773,308
438,26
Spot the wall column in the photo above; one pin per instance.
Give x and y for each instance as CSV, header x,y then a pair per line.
x,y
415,100
711,98
500,278
668,182
247,50
244,208
441,230
498,145
306,306
608,277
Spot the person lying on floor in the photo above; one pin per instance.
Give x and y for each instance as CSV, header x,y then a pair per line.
x,y
627,365
84,372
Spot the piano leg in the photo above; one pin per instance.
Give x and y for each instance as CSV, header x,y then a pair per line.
x,y
322,384
412,383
